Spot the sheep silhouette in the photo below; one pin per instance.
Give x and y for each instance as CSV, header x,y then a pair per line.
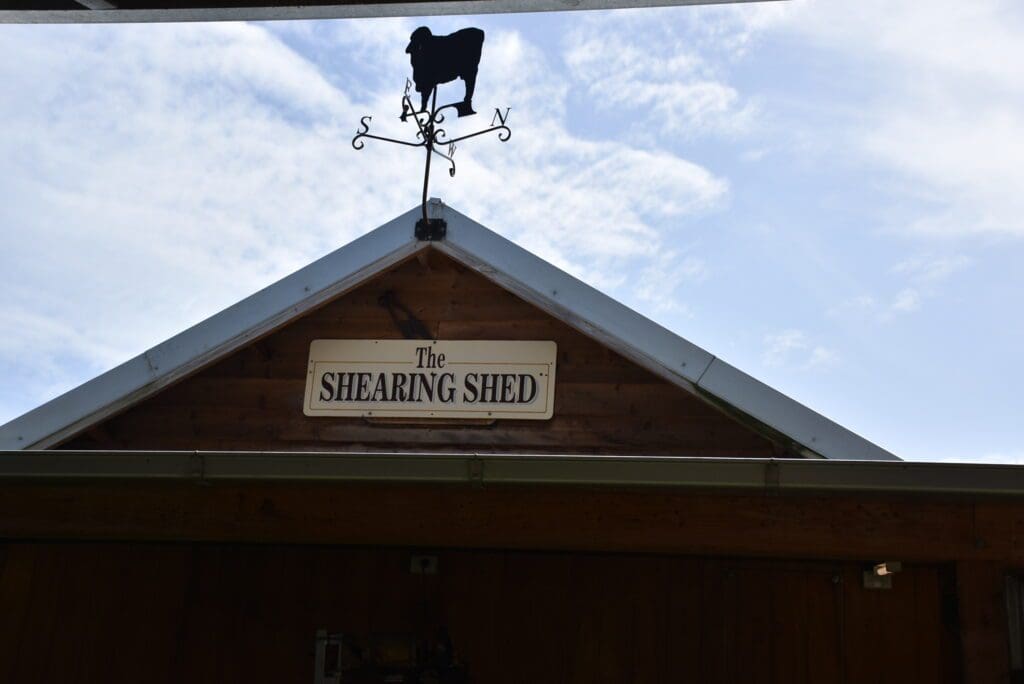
x,y
442,59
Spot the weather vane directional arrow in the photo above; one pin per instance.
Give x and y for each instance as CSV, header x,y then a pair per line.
x,y
436,60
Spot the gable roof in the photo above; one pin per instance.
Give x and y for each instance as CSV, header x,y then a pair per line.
x,y
534,280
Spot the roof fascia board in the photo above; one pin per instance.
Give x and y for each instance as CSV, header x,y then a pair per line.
x,y
762,475
805,426
336,11
213,338
646,343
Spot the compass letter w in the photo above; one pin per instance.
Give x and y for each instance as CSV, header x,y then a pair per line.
x,y
498,116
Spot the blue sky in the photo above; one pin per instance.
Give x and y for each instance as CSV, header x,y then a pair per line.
x,y
828,195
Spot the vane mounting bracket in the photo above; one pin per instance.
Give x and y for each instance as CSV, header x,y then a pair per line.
x,y
431,230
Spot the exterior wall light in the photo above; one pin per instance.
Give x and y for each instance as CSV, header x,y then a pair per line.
x,y
879,576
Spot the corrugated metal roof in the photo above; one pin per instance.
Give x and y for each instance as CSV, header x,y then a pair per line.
x,y
510,266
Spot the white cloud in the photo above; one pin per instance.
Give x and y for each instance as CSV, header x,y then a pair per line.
x,y
922,276
822,357
659,282
591,207
906,300
931,269
968,164
862,302
652,67
44,344
944,113
216,158
935,108
925,273
779,346
792,348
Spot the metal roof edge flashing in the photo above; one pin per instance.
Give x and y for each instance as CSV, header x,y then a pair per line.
x,y
770,476
212,338
807,428
572,301
652,346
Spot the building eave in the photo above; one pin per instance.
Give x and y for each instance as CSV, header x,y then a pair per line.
x,y
771,476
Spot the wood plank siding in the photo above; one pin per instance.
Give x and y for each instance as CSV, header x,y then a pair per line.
x,y
199,575
923,529
232,613
252,400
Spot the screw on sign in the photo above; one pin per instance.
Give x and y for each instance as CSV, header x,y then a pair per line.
x,y
437,60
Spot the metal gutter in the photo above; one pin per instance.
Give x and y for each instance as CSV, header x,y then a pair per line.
x,y
755,475
284,11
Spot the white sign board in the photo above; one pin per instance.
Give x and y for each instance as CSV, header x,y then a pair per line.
x,y
431,379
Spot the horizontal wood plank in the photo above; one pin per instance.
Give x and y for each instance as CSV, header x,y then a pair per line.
x,y
920,528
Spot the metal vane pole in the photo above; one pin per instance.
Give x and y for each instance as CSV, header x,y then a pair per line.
x,y
430,150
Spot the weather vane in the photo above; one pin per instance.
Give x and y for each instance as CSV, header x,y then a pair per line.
x,y
436,60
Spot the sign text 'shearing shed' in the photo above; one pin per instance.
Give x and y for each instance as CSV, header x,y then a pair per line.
x,y
424,379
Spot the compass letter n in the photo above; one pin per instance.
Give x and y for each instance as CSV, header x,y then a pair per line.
x,y
498,116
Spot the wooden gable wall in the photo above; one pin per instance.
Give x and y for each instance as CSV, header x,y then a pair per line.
x,y
252,400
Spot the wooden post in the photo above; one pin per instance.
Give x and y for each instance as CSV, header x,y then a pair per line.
x,y
983,624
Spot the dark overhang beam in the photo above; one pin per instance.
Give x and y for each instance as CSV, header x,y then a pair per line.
x,y
764,476
146,11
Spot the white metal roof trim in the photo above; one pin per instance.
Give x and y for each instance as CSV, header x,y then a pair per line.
x,y
213,337
571,300
646,342
76,404
791,418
